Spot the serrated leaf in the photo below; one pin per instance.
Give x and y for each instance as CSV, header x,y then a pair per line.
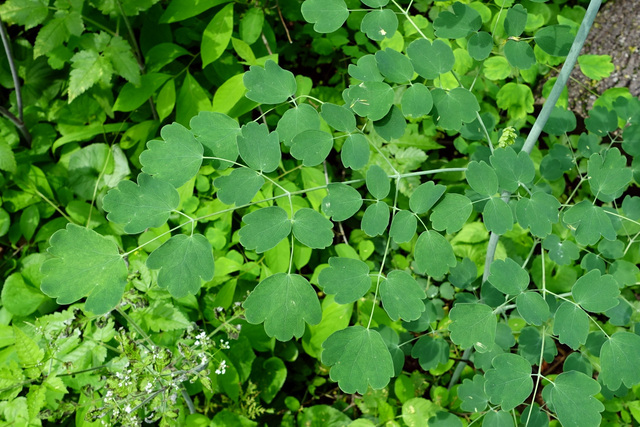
x,y
451,213
509,383
88,67
403,226
394,66
184,261
58,31
508,276
515,21
312,229
572,396
454,107
146,204
358,358
596,67
416,101
25,12
472,395
473,325
326,15
460,22
497,216
27,350
87,264
342,202
371,99
402,296
347,278
433,254
284,302
269,85
218,134
538,213
480,45
259,148
571,324
589,222
595,292
378,182
176,159
311,146
556,40
119,52
430,352
379,24
519,54
608,176
264,228
239,187
338,117
217,35
482,178
619,360
297,120
375,219
430,59
425,196
355,151
533,308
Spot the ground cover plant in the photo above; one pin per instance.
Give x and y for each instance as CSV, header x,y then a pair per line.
x,y
319,212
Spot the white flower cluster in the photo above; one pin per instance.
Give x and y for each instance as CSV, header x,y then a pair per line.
x,y
222,368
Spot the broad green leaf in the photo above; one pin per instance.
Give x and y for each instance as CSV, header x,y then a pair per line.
x,y
131,97
375,3
176,159
460,22
392,125
365,69
269,85
560,121
482,178
29,221
516,98
538,213
58,31
335,317
619,360
25,12
259,148
251,25
347,278
217,35
342,202
480,45
239,187
571,324
20,298
519,54
264,228
375,219
179,10
454,107
556,40
588,223
402,296
601,121
472,395
508,276
497,68
451,213
311,146
394,66
562,253
608,177
7,158
425,196
509,383
537,418
378,182
312,229
358,358
596,67
87,264
572,395
284,302
430,352
533,308
371,99
218,134
433,254
403,226
531,344
192,99
516,21
355,151
595,292
27,350
338,117
430,60
88,67
416,412
326,15
497,215
416,101
297,120
498,418
473,325
163,54
184,261
146,204
379,24
271,378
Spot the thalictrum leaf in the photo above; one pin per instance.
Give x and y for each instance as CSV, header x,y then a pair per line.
x,y
366,70
533,308
571,324
430,352
572,396
379,24
425,196
619,360
311,146
430,60
403,226
239,187
454,107
416,101
589,222
562,253
259,148
601,121
482,178
312,229
392,126
608,177
480,45
509,383
394,66
326,15
375,219
538,213
517,99
402,296
434,254
460,22
347,278
595,292
297,120
342,202
472,395
338,117
556,40
371,99
508,276
596,67
473,325
355,151
497,216
218,134
264,228
451,213
378,182
516,21
269,85
519,54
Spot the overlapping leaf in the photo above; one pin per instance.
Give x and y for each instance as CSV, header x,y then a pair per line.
x,y
509,383
595,292
312,229
239,187
402,296
434,254
218,134
572,395
473,325
342,202
347,278
259,148
264,228
326,15
619,360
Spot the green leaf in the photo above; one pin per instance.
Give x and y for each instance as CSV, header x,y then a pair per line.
x,y
571,324
183,262
297,120
392,125
264,228
430,352
497,68
217,35
482,178
516,98
326,15
131,97
519,54
251,25
312,229
379,24
425,196
355,151
601,121
378,182
588,223
497,216
192,99
19,298
27,350
119,52
480,45
88,67
365,69
375,219
451,213
402,296
218,134
347,278
572,396
498,418
403,226
608,177
338,117
462,21
618,360
311,146
416,412
556,40
239,187
416,101
84,263
508,276
258,148
434,254
176,159
454,107
562,253
358,358
269,85
25,12
270,378
560,121
371,99
472,395
7,158
29,221
473,325
146,204
179,10
538,213
342,202
533,308
596,67
509,383
58,31
394,66
430,60
284,302
595,292
516,21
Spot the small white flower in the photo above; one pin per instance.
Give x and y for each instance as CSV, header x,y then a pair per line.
x,y
222,368
202,335
127,409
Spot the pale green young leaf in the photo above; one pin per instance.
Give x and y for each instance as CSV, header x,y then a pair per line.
x,y
239,187
264,228
434,254
451,213
146,204
608,177
394,66
347,278
516,21
509,383
425,196
87,264
497,68
571,325
217,35
472,395
480,45
403,226
284,302
508,276
259,148
355,151
533,308
184,261
342,202
619,360
366,70
119,52
269,85
461,21
516,98
338,117
379,24
402,296
27,350
88,67
7,158
326,15
132,96
430,352
218,134
596,67
482,178
251,25
589,222
371,99
454,107
297,120
572,395
556,40
312,229
562,253
416,101
25,12
595,292
358,358
538,213
497,215
176,159
378,182
473,325
430,60
311,146
375,219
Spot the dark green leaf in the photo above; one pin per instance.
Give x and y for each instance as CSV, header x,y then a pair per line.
x,y
571,324
218,134
509,383
595,292
560,121
508,276
497,215
462,21
480,45
402,296
454,107
379,24
338,117
482,178
472,394
473,325
326,15
434,254
269,85
430,352
608,176
572,396
619,361
511,168
347,278
588,223
533,308
297,120
425,196
355,151
378,182
538,213
264,228
416,101
133,96
259,148
451,213
311,146
556,40
342,202
312,229
403,226
366,69
562,253
519,54
601,121
394,66
430,60
515,21
391,126
239,187
375,219
371,99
